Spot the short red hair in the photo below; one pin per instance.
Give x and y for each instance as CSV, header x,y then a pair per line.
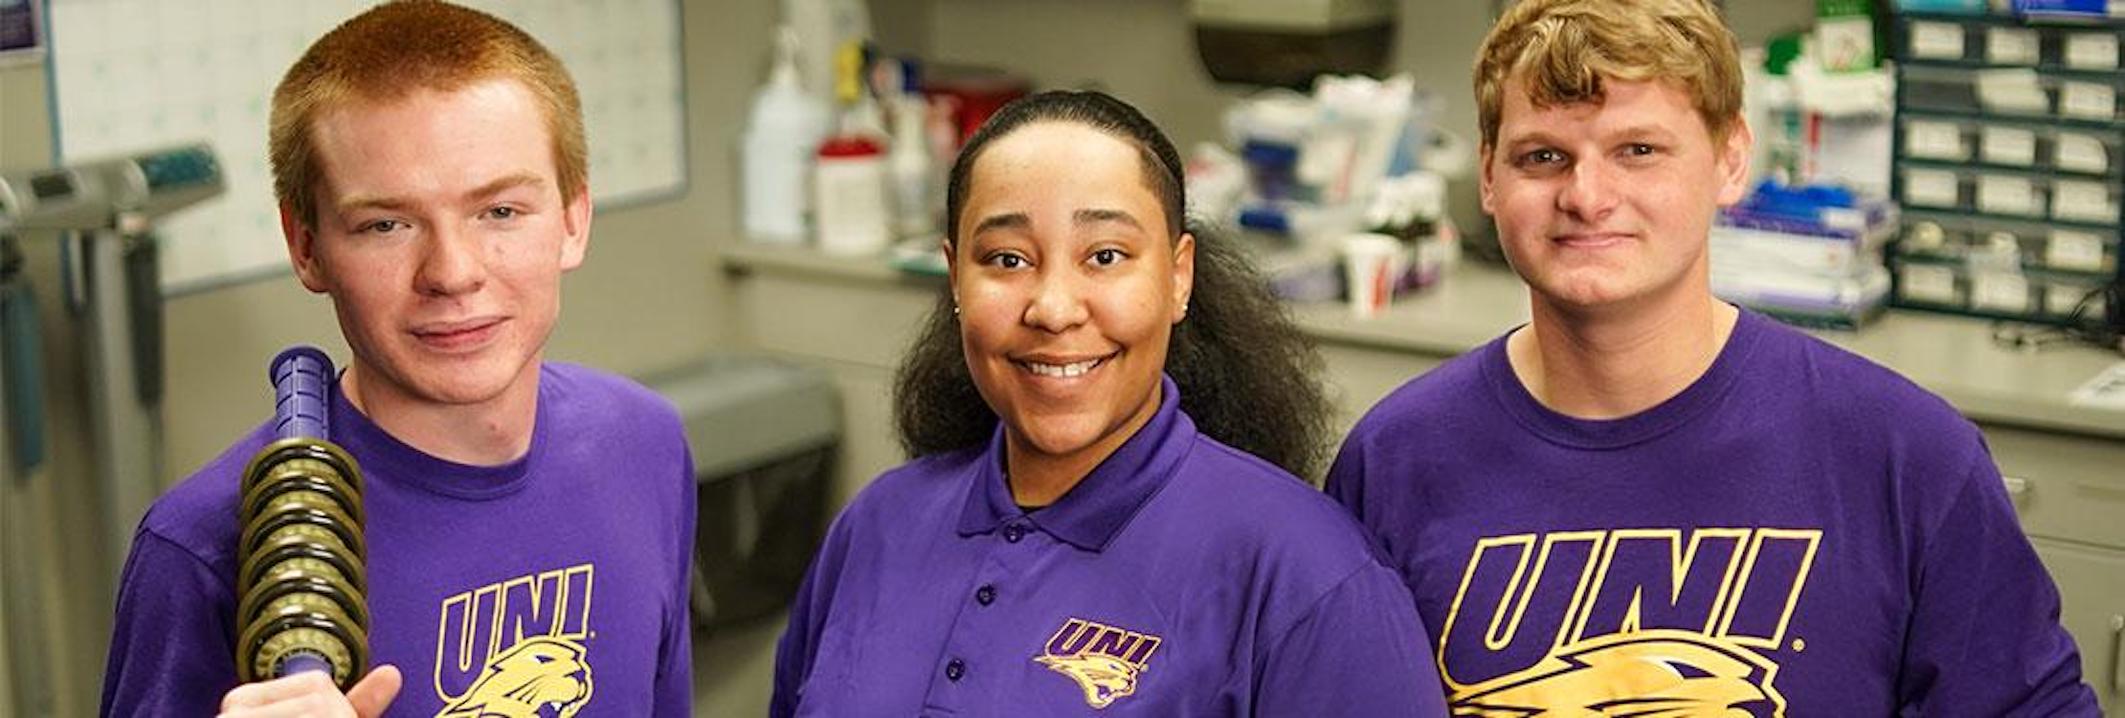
x,y
397,48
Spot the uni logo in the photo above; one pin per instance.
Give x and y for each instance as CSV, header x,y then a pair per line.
x,y
1104,660
515,647
1624,620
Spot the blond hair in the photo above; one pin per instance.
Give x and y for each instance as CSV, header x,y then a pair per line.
x,y
1562,50
397,48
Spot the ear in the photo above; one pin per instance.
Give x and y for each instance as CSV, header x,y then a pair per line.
x,y
575,221
951,261
1183,275
1483,178
302,250
951,268
1734,162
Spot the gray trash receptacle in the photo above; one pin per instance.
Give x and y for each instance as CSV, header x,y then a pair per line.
x,y
763,435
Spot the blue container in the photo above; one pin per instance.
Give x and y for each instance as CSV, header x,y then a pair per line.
x,y
1959,7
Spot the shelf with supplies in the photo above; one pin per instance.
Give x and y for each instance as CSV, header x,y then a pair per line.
x,y
2012,92
1991,144
1985,41
2010,166
2071,252
1952,113
2089,203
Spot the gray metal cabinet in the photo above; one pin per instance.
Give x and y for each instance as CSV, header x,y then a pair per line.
x,y
2070,494
2092,584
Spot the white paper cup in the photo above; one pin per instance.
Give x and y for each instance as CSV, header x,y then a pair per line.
x,y
1372,264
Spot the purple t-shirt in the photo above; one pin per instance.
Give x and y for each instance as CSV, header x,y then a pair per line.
x,y
1179,578
480,577
1800,532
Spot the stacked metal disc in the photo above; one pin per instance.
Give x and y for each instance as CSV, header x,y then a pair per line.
x,y
300,576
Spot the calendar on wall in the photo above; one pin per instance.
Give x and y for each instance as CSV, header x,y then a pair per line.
x,y
135,75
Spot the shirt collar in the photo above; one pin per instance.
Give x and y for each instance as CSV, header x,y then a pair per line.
x,y
1099,506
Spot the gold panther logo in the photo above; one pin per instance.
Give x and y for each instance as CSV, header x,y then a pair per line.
x,y
1654,673
1104,660
541,677
1103,679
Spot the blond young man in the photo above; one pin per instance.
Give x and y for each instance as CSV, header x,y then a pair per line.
x,y
529,524
1648,501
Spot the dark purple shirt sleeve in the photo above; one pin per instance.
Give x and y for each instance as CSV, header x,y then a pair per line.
x,y
795,652
1334,662
1984,638
172,648
675,653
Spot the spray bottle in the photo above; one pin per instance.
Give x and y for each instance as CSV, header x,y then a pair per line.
x,y
784,131
909,160
849,181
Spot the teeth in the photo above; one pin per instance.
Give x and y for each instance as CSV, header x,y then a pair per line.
x,y
1063,370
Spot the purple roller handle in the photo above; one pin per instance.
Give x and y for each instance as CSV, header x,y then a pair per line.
x,y
305,662
302,388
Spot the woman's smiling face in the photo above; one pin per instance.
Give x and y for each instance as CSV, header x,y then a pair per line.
x,y
1068,286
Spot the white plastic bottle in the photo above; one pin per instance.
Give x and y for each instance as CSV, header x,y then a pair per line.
x,y
913,212
855,218
781,139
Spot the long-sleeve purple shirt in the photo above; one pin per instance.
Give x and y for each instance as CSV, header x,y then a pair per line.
x,y
556,582
1799,532
1179,578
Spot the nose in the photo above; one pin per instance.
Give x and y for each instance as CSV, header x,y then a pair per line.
x,y
453,264
1058,301
1589,194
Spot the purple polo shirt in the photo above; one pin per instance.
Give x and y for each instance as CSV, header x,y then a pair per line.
x,y
1180,577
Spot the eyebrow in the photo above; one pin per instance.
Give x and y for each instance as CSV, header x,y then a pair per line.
x,y
1010,220
1094,216
1630,132
1643,132
498,186
1019,220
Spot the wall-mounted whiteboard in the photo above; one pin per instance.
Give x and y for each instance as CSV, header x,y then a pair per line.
x,y
133,75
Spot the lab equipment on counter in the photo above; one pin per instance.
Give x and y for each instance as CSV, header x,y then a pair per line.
x,y
909,163
1313,162
1810,255
853,212
781,138
849,187
1372,265
822,28
302,563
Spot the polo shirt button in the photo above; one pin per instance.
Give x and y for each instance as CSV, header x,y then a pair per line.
x,y
955,670
985,595
1013,533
